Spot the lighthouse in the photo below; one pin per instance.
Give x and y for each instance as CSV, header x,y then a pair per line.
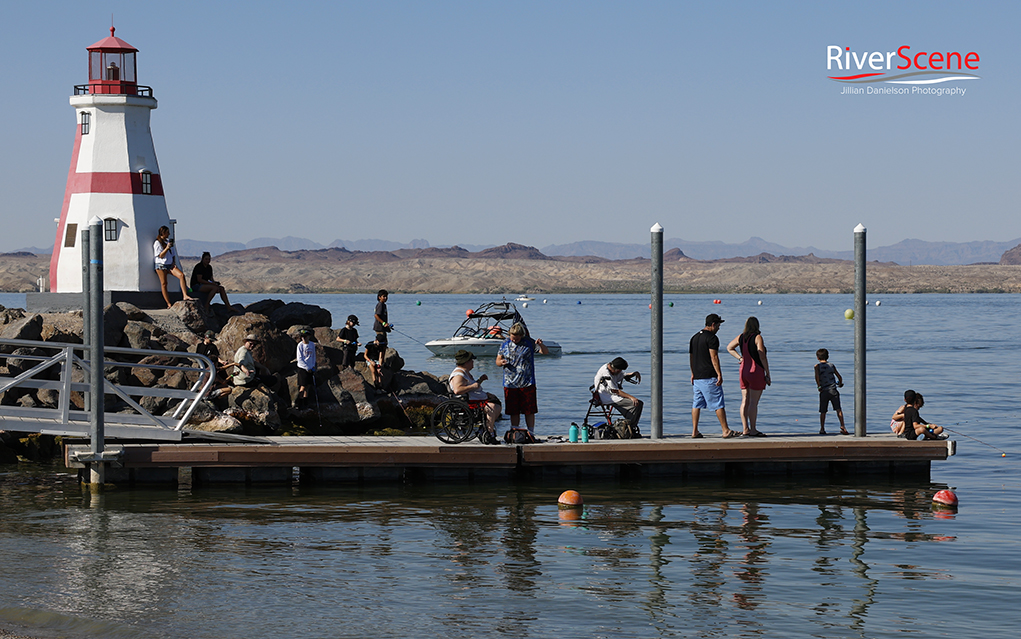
x,y
114,176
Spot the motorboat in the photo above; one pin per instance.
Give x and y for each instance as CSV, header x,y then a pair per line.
x,y
523,298
483,330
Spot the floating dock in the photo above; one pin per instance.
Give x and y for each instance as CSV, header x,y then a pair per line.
x,y
364,459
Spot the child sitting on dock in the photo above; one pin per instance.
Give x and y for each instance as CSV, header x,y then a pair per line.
x,y
827,380
907,423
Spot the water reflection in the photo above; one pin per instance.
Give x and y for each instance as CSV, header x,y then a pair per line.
x,y
641,560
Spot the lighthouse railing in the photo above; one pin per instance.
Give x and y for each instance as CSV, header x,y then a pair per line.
x,y
41,362
97,88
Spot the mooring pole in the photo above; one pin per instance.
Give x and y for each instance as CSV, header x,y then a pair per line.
x,y
859,331
97,469
86,301
656,392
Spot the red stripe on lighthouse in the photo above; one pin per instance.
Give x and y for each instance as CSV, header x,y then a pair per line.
x,y
126,182
57,243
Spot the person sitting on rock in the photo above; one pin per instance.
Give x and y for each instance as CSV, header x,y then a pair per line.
x,y
249,372
461,382
348,337
208,348
202,281
374,355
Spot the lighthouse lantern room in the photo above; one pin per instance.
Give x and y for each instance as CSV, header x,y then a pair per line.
x,y
114,175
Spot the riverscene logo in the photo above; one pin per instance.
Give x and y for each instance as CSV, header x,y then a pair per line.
x,y
920,69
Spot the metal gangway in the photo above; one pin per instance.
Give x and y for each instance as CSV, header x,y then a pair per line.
x,y
66,369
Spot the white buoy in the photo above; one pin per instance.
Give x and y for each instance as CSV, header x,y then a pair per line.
x,y
760,302
544,301
524,304
878,302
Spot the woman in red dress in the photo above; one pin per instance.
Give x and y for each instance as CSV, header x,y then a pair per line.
x,y
754,373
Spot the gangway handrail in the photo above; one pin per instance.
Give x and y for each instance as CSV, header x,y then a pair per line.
x,y
67,357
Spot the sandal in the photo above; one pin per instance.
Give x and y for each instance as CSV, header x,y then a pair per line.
x,y
697,436
731,434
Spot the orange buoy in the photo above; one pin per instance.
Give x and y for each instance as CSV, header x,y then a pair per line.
x,y
470,312
945,498
570,499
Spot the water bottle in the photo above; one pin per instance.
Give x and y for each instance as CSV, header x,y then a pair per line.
x,y
584,434
572,433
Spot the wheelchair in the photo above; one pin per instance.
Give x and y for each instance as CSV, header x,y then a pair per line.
x,y
455,421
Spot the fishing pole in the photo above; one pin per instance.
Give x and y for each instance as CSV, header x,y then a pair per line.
x,y
957,432
406,335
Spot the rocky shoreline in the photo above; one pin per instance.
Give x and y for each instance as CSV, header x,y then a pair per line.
x,y
513,268
346,403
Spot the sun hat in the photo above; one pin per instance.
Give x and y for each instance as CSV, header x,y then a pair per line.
x,y
463,357
252,338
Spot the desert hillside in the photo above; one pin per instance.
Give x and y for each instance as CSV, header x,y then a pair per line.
x,y
513,269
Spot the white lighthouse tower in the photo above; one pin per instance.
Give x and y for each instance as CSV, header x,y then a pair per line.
x,y
114,175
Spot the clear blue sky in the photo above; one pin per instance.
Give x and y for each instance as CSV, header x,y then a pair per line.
x,y
532,122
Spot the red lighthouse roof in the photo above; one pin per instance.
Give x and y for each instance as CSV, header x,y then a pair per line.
x,y
111,43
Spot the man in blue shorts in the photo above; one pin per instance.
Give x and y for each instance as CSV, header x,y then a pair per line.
x,y
706,376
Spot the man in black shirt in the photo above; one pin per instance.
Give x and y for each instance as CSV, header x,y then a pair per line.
x,y
706,376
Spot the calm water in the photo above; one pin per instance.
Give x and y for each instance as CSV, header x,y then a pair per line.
x,y
661,559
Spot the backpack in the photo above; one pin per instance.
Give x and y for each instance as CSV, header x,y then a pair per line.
x,y
519,436
602,430
625,430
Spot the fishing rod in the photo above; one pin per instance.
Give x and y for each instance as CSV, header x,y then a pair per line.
x,y
406,335
957,432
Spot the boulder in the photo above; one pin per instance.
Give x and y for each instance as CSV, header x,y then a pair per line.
x,y
414,383
9,315
298,313
177,342
264,307
222,312
132,312
275,351
193,316
114,321
139,334
30,328
148,376
256,408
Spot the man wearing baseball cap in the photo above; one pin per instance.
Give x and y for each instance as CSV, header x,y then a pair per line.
x,y
609,377
706,376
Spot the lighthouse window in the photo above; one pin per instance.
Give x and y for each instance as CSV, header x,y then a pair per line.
x,y
110,230
86,121
70,233
146,183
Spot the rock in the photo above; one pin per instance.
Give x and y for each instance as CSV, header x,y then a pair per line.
x,y
298,313
114,321
255,407
264,307
414,383
30,328
174,342
9,315
132,312
148,376
62,327
48,397
275,351
138,334
193,316
16,367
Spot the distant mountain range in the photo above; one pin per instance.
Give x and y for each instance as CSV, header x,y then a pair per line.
x,y
905,252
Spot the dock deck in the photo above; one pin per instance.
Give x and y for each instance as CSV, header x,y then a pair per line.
x,y
369,458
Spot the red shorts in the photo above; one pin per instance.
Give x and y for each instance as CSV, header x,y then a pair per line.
x,y
520,401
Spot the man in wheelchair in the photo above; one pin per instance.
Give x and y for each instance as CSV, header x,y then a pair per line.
x,y
607,385
461,382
